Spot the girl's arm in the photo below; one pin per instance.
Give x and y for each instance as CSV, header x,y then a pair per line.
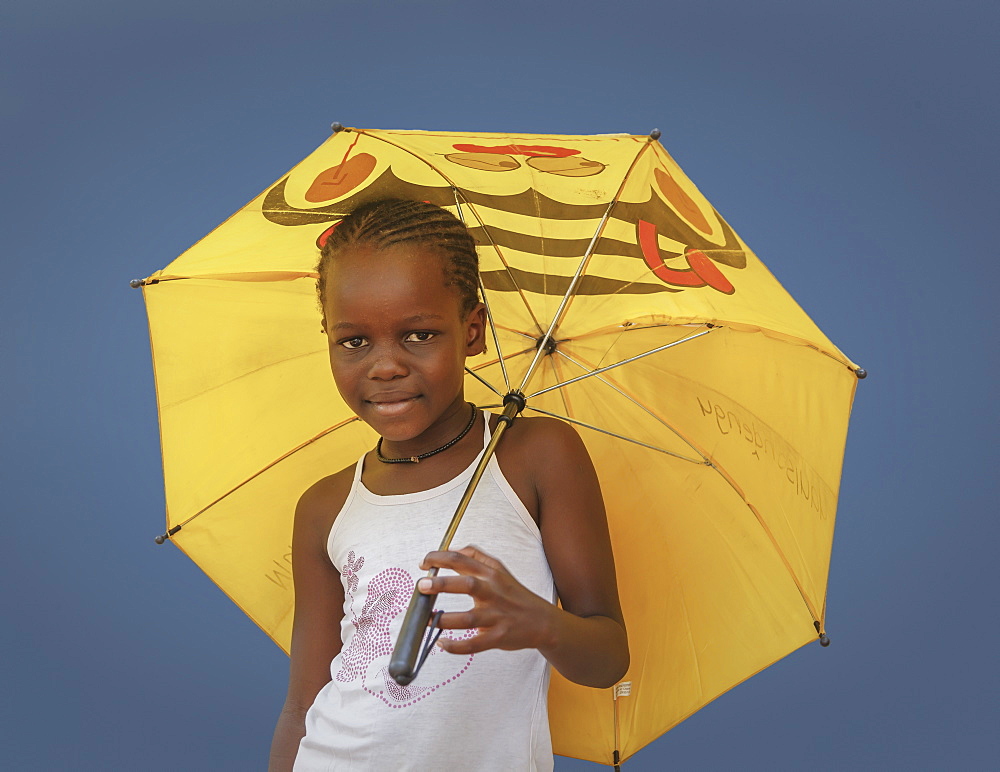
x,y
319,608
585,640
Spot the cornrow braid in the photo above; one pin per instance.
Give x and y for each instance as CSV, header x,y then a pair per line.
x,y
384,223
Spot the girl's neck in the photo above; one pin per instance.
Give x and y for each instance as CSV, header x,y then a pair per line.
x,y
447,426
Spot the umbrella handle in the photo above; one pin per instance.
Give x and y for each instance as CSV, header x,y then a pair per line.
x,y
403,663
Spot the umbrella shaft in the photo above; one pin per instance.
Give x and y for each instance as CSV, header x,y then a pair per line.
x,y
509,412
403,663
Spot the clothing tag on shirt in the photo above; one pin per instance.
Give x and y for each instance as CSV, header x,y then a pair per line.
x,y
624,689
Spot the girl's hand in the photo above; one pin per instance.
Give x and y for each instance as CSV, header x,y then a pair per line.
x,y
507,614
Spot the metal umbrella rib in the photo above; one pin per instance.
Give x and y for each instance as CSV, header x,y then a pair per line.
x,y
610,433
605,369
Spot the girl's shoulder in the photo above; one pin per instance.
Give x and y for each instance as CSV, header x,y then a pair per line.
x,y
320,504
542,456
541,438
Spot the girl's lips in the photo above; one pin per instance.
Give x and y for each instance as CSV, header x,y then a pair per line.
x,y
391,407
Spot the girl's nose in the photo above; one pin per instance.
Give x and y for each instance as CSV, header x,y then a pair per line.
x,y
386,366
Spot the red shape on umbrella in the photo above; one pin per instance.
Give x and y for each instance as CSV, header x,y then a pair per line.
x,y
543,151
702,273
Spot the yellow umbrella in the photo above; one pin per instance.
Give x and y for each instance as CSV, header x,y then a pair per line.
x,y
715,409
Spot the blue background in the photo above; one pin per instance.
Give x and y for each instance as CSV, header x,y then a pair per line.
x,y
852,145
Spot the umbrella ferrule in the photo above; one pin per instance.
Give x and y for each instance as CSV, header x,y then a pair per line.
x,y
166,536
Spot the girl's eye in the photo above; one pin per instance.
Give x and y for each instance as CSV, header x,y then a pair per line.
x,y
419,337
352,343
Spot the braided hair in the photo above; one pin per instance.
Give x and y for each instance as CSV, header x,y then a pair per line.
x,y
384,223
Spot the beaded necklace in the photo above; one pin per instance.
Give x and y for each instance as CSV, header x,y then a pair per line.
x,y
418,459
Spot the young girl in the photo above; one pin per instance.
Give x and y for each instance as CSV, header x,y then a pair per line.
x,y
398,288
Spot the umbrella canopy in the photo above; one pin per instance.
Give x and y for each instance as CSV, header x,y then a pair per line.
x,y
714,408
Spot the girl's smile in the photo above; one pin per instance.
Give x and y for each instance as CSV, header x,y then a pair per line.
x,y
398,343
391,405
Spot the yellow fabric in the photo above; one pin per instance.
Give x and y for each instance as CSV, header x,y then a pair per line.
x,y
722,527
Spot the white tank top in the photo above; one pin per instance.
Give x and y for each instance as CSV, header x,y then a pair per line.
x,y
485,711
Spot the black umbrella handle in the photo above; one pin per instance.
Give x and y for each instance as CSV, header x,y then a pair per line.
x,y
403,663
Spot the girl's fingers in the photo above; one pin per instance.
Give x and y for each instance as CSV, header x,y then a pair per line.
x,y
455,560
477,554
461,562
466,620
473,645
458,585
505,614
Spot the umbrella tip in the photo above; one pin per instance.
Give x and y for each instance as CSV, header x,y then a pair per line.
x,y
824,641
337,126
136,283
861,373
164,536
654,134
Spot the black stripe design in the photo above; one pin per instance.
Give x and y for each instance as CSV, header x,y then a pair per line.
x,y
548,284
529,203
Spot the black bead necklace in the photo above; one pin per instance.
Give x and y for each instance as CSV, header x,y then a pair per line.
x,y
418,459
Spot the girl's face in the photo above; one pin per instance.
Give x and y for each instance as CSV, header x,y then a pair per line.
x,y
398,340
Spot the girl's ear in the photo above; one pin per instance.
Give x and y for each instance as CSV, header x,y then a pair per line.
x,y
475,326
